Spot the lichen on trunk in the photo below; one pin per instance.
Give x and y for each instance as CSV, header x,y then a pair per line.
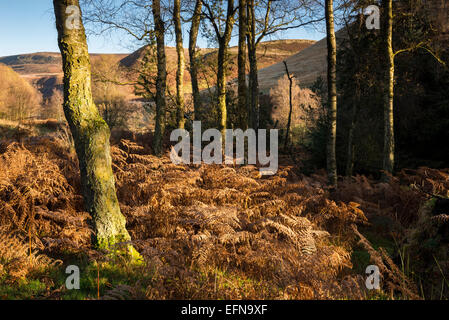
x,y
161,79
180,67
90,132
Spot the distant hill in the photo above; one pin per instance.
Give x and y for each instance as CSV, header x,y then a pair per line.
x,y
32,58
42,63
34,64
44,69
269,52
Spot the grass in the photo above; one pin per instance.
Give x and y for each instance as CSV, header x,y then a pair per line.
x,y
96,279
105,280
22,290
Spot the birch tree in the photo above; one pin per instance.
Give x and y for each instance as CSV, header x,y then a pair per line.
x,y
242,108
89,130
181,65
332,93
223,33
193,55
161,79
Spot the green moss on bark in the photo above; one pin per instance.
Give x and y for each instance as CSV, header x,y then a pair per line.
x,y
91,135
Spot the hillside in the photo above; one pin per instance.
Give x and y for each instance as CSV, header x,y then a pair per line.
x,y
269,53
307,65
38,64
34,63
44,70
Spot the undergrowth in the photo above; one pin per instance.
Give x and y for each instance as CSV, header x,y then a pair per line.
x,y
205,232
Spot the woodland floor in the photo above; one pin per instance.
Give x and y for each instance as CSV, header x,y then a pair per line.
x,y
218,232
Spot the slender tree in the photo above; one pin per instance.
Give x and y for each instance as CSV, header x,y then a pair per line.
x,y
181,65
253,109
161,79
242,87
193,36
388,158
354,47
421,40
290,99
332,93
223,39
89,130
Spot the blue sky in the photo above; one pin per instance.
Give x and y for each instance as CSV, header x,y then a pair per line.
x,y
28,26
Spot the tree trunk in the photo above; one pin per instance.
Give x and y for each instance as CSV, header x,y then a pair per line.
x,y
181,65
193,36
221,86
350,148
242,88
290,79
332,93
388,161
161,80
253,76
223,44
90,132
350,145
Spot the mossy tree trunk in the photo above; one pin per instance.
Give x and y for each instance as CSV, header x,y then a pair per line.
x,y
223,64
242,87
161,79
221,85
193,36
388,156
222,59
181,65
332,93
90,132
